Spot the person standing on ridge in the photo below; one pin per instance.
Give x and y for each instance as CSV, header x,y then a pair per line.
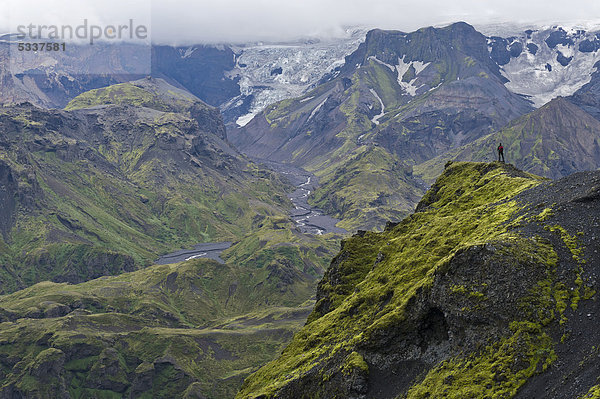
x,y
500,153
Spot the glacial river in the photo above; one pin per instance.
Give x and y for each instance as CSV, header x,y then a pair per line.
x,y
308,219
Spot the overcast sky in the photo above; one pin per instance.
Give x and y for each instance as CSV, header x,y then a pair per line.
x,y
189,21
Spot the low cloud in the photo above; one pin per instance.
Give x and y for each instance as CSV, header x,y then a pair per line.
x,y
242,21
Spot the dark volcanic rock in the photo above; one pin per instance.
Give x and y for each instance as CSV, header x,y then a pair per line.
x,y
499,51
516,49
588,97
559,37
533,48
588,46
201,73
562,60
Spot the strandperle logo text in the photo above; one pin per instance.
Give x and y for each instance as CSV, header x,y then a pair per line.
x,y
84,31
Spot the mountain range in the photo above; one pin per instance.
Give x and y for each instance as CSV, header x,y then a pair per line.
x,y
124,174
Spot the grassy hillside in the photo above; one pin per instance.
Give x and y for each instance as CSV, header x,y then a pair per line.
x,y
199,327
370,186
554,141
130,172
94,192
192,328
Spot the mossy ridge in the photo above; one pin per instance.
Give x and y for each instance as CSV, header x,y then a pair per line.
x,y
470,205
499,370
150,93
196,292
576,251
593,393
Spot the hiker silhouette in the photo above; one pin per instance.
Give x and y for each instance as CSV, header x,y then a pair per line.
x,y
500,153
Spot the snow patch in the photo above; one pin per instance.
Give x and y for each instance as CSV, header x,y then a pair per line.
x,y
245,119
314,111
567,51
403,67
188,52
419,66
381,62
376,118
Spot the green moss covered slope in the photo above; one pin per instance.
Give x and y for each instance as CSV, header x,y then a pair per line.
x,y
471,296
199,326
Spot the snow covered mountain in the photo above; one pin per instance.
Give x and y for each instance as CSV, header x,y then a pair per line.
x,y
540,63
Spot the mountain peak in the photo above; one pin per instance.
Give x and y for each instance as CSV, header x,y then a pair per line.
x,y
461,26
156,94
559,113
148,92
554,141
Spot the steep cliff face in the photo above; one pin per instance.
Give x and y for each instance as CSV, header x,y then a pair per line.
x,y
200,69
481,292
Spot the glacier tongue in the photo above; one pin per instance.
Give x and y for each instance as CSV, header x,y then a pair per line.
x,y
539,74
272,72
